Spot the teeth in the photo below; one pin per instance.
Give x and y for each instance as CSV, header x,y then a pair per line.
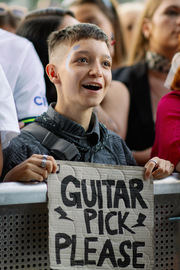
x,y
92,84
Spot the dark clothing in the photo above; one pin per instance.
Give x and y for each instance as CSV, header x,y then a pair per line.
x,y
141,128
97,145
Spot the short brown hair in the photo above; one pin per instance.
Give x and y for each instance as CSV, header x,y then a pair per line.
x,y
72,34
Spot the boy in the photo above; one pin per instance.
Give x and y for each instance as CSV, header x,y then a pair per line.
x,y
80,68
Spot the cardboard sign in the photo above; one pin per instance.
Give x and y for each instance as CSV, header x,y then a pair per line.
x,y
100,217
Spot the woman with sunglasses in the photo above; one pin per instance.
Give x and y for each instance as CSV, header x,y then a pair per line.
x,y
10,16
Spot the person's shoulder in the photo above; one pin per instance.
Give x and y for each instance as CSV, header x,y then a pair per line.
x,y
24,140
114,138
8,37
118,85
11,36
173,95
169,101
123,73
119,148
115,142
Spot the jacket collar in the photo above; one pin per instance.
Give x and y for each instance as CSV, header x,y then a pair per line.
x,y
72,128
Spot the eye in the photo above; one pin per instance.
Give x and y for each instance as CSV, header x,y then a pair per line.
x,y
106,64
81,60
172,12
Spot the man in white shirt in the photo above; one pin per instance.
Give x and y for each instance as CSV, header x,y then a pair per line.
x,y
9,127
25,75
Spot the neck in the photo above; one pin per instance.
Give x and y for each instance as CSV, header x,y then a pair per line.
x,y
157,62
82,117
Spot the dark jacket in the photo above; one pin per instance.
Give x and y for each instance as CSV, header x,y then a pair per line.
x,y
97,145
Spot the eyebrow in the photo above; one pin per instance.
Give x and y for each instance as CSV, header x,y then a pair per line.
x,y
173,6
87,52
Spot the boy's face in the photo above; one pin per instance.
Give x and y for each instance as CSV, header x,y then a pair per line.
x,y
84,72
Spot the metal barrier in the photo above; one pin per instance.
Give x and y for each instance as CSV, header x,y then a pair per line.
x,y
24,225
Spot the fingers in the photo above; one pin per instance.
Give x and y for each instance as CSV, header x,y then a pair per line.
x,y
31,169
45,162
164,170
35,175
24,172
159,168
150,166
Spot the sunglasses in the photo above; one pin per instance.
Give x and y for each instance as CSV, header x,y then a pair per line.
x,y
18,13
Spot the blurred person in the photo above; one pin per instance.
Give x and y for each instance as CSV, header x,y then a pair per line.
x,y
10,16
167,132
36,26
79,55
25,75
154,45
129,13
103,14
9,127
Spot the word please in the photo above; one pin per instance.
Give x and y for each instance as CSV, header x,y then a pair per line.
x,y
128,252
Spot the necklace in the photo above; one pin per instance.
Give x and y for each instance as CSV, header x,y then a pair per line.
x,y
157,62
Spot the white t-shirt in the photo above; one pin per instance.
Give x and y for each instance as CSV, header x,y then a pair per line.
x,y
25,74
9,126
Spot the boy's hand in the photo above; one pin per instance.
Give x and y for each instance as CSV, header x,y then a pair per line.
x,y
159,168
37,167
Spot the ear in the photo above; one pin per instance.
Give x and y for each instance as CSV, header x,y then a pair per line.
x,y
146,28
52,73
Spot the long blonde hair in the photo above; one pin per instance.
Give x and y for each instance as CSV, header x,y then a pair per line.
x,y
141,44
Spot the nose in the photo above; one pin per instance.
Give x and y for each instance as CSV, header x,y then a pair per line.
x,y
96,70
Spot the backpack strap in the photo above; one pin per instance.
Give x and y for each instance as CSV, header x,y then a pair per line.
x,y
59,147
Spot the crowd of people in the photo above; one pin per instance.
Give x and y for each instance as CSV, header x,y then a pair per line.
x,y
76,77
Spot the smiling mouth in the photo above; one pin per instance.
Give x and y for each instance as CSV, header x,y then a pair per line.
x,y
92,86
